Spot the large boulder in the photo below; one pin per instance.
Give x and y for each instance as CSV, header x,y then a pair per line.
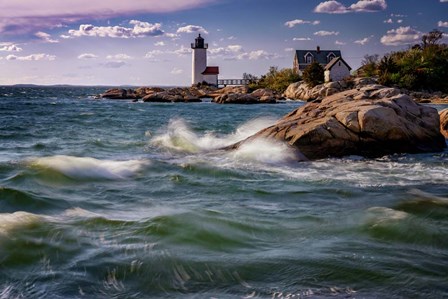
x,y
444,122
371,121
119,94
236,98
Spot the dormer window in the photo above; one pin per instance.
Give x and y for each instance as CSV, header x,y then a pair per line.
x,y
309,58
330,57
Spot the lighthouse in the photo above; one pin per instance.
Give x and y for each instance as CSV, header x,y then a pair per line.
x,y
200,71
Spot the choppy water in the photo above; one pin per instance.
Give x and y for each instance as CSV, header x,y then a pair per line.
x,y
112,199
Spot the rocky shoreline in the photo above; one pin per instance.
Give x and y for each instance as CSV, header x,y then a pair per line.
x,y
226,95
243,95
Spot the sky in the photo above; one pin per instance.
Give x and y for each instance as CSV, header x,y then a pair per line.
x,y
147,42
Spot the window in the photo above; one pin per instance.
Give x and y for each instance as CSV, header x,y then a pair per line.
x,y
330,57
309,58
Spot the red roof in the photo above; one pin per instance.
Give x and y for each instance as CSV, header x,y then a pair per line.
x,y
211,70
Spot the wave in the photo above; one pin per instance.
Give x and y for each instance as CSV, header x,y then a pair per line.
x,y
180,137
86,168
11,221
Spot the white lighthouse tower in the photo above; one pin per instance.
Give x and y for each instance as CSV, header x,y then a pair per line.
x,y
200,72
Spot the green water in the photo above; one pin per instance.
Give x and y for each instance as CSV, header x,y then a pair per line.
x,y
112,199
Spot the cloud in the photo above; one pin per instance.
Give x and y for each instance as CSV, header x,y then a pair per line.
x,y
326,33
401,36
176,71
192,29
45,37
443,1
289,50
152,54
442,24
388,21
257,55
9,47
335,7
368,6
113,64
31,15
301,39
119,57
160,44
182,51
32,57
86,56
293,23
363,41
140,29
339,43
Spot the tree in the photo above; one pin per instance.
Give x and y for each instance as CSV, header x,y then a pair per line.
x,y
313,74
432,38
369,65
275,79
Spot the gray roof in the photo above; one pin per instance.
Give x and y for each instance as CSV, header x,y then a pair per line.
x,y
334,61
320,56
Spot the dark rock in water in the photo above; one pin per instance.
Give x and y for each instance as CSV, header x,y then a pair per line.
x,y
236,98
174,95
119,94
371,121
444,122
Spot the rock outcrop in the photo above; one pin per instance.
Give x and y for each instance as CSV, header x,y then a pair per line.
x,y
371,121
260,96
301,91
119,94
444,122
175,95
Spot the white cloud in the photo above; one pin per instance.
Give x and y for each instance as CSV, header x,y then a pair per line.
x,y
326,33
176,71
9,47
257,55
289,49
301,39
192,29
182,51
443,0
152,54
86,56
388,21
401,36
140,29
119,57
293,23
335,7
442,24
32,57
229,52
31,15
159,44
339,43
399,21
45,37
363,41
368,6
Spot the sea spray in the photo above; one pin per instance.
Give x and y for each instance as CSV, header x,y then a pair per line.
x,y
90,168
181,138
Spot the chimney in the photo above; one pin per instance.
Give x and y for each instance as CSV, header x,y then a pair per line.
x,y
318,49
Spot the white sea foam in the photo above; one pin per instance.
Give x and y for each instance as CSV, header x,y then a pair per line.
x,y
17,220
180,137
90,168
264,151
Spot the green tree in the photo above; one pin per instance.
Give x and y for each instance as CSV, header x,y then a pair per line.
x,y
313,74
369,65
275,79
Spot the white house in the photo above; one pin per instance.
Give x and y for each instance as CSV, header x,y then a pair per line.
x,y
200,71
337,70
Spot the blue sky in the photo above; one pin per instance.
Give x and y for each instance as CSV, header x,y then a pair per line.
x,y
147,42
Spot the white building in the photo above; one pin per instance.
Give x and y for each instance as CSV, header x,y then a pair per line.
x,y
200,71
337,69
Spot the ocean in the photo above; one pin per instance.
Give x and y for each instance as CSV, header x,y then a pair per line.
x,y
114,199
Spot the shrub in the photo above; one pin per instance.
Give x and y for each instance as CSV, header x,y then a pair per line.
x,y
313,74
